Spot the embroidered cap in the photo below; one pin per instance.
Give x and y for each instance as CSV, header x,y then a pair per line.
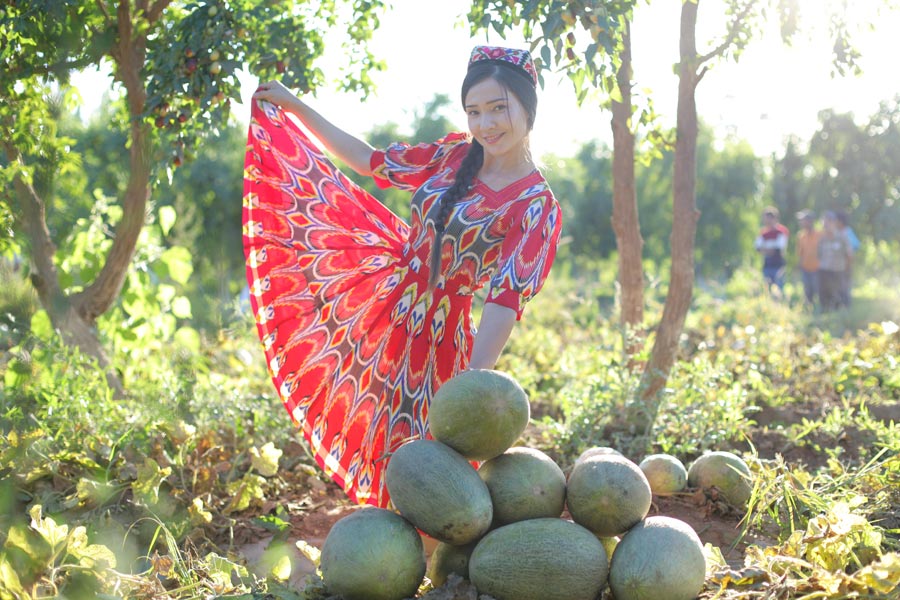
x,y
509,56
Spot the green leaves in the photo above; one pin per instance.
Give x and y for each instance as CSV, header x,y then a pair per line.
x,y
54,535
175,263
48,547
245,492
149,477
582,39
220,570
90,556
167,219
10,586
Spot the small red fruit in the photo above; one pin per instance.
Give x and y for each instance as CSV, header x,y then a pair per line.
x,y
570,53
280,66
160,122
176,160
182,117
190,65
571,38
188,52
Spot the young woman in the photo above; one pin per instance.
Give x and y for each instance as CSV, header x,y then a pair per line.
x,y
362,316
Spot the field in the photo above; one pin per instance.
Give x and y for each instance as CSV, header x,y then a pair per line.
x,y
196,485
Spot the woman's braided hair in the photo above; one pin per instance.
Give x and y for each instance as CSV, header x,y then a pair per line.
x,y
522,87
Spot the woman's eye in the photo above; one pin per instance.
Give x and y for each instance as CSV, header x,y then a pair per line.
x,y
500,107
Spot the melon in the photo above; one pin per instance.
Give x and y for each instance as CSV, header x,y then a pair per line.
x,y
539,559
660,558
609,544
524,484
727,472
479,413
373,554
439,492
607,494
597,451
447,559
665,473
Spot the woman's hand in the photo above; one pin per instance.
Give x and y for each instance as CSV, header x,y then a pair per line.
x,y
276,93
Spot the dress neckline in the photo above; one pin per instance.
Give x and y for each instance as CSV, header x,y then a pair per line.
x,y
535,174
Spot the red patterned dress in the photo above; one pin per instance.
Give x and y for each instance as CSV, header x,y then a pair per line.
x,y
355,342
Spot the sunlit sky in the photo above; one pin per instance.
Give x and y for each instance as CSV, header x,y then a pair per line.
x,y
772,92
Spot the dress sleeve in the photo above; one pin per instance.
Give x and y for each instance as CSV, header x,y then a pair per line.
x,y
408,167
527,254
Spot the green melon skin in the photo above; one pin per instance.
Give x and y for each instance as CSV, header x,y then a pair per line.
x,y
439,491
608,494
539,559
726,471
597,451
447,559
524,484
665,473
479,413
373,554
660,558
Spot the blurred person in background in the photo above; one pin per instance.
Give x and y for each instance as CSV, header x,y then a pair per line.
x,y
772,244
847,282
808,255
834,260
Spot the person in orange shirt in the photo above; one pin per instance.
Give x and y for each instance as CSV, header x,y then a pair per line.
x,y
808,254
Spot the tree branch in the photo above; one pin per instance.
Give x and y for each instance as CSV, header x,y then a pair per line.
x,y
700,75
105,10
733,31
156,10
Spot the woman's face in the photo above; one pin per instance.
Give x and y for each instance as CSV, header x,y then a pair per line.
x,y
497,120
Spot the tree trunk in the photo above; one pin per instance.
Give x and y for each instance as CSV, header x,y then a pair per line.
x,y
625,210
684,227
128,54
